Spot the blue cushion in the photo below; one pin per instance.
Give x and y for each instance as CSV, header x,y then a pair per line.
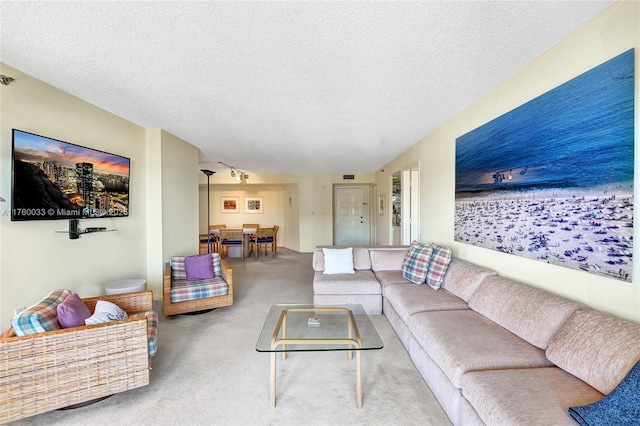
x,y
621,407
225,242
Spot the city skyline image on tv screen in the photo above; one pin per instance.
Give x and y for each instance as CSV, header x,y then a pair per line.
x,y
53,179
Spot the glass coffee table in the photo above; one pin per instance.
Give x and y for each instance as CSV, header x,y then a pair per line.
x,y
303,328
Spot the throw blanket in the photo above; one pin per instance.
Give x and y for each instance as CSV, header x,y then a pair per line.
x,y
620,407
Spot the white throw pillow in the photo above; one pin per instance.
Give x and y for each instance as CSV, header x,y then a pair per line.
x,y
338,261
105,312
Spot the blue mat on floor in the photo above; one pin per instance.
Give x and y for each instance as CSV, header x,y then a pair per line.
x,y
621,407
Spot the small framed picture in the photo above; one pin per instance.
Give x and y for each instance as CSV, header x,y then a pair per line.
x,y
229,205
254,205
381,204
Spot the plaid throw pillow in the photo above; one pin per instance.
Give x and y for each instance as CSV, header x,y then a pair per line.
x,y
42,316
416,263
406,256
217,271
440,259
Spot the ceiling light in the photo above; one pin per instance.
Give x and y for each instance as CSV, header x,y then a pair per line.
x,y
4,80
236,173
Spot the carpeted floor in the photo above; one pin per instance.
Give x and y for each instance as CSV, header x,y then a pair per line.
x,y
207,371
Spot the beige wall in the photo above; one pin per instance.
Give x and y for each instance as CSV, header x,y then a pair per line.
x,y
611,33
34,258
179,209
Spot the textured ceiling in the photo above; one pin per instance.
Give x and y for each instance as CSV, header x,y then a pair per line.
x,y
285,86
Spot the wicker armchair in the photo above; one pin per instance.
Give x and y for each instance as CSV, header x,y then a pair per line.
x,y
172,276
55,369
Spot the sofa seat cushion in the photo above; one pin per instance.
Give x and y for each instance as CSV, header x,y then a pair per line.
x,y
362,282
409,299
533,314
387,278
152,329
183,290
463,340
371,303
532,396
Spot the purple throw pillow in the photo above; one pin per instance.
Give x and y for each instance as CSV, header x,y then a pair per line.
x,y
72,312
198,267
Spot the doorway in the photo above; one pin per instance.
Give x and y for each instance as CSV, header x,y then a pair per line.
x,y
352,215
405,202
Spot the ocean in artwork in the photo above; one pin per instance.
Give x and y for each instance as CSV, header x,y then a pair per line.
x,y
552,180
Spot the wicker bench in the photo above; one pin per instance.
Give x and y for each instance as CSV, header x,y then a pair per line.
x,y
55,369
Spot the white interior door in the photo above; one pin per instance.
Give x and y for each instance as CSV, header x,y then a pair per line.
x,y
351,216
410,204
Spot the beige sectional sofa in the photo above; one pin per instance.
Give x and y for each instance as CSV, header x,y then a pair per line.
x,y
493,350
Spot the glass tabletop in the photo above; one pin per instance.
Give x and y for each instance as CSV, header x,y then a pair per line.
x,y
291,328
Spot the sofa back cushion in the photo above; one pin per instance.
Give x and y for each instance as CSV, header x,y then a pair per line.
x,y
361,259
387,259
532,314
598,348
463,278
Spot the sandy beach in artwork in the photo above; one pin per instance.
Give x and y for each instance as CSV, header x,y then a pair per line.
x,y
583,229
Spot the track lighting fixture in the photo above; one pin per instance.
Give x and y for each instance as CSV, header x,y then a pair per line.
x,y
239,175
5,80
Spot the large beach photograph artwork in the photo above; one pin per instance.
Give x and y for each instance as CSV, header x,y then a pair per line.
x,y
552,180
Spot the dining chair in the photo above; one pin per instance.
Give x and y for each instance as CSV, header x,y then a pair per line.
x,y
214,234
231,237
204,241
251,237
265,237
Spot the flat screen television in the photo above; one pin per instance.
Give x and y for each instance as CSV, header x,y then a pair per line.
x,y
52,179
